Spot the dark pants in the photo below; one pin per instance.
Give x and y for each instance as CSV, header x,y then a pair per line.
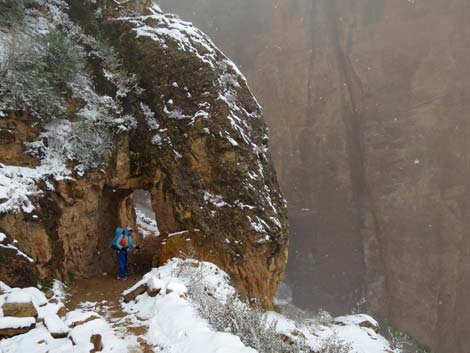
x,y
122,261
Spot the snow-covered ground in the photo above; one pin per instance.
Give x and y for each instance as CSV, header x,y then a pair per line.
x,y
176,324
178,304
73,327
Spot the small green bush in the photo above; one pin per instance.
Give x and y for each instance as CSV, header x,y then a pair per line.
x,y
63,57
12,11
36,70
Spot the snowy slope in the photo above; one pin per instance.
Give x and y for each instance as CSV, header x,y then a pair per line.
x,y
176,324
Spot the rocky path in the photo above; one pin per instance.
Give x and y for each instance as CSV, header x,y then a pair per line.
x,y
102,295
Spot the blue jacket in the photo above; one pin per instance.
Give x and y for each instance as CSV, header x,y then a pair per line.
x,y
129,241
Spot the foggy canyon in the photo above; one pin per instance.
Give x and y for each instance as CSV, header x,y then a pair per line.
x,y
367,103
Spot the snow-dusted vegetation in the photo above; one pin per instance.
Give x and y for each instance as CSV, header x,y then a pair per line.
x,y
44,65
190,306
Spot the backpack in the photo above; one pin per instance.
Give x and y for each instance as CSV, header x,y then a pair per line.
x,y
119,233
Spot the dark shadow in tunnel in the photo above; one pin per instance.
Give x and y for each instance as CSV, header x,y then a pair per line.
x,y
122,208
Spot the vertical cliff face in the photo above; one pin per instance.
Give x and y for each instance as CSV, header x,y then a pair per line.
x,y
367,105
188,131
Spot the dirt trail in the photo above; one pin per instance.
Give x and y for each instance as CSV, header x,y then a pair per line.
x,y
102,295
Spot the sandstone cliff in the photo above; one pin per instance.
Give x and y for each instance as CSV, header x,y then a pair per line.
x,y
367,105
184,126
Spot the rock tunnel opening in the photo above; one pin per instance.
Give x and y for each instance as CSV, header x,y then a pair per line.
x,y
121,208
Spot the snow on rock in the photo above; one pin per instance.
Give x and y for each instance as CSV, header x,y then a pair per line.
x,y
56,326
77,317
173,321
81,335
38,340
216,200
8,322
18,251
171,28
46,338
361,320
344,329
2,237
176,325
50,309
22,302
18,185
362,339
27,295
12,326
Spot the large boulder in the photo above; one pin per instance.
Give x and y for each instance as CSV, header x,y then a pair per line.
x,y
368,109
199,145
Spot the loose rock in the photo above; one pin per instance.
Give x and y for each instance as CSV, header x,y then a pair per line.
x,y
97,342
153,292
133,293
19,309
56,327
12,326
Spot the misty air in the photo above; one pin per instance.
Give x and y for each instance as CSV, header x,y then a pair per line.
x,y
234,176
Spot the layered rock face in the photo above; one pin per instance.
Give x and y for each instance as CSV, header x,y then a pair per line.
x,y
367,105
199,145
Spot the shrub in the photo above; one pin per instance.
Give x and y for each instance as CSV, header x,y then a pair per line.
x,y
404,342
226,312
90,145
333,344
13,11
114,70
39,73
249,323
34,73
63,57
24,83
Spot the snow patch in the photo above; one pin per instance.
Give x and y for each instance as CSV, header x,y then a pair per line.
x,y
16,322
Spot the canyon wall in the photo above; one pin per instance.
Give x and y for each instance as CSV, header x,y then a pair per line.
x,y
368,103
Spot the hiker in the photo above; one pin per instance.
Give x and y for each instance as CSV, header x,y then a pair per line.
x,y
123,242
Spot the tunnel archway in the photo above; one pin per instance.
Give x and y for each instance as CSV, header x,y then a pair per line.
x,y
127,207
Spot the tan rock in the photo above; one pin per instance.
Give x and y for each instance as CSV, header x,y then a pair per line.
x,y
49,293
97,342
62,311
19,309
153,292
13,326
4,333
79,323
371,325
134,293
